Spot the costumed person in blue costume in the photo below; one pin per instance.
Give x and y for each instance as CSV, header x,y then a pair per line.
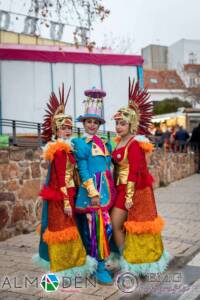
x,y
96,192
60,249
136,224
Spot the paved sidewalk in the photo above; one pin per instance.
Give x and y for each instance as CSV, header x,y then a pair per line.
x,y
178,203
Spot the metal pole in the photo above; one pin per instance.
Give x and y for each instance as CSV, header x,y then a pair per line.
x,y
101,83
52,79
14,132
140,76
1,129
39,134
74,92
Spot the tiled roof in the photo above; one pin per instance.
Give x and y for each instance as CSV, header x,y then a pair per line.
x,y
162,80
190,67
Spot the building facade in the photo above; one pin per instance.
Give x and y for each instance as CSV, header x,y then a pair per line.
x,y
155,57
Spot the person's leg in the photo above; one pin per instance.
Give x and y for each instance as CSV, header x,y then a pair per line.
x,y
83,227
118,217
198,158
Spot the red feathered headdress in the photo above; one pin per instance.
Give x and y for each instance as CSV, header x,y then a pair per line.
x,y
55,114
139,101
139,110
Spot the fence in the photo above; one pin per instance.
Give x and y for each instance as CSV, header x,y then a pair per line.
x,y
33,135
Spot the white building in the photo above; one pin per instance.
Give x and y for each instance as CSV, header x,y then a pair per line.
x,y
183,52
184,57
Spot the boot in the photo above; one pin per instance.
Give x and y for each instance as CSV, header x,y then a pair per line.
x,y
102,275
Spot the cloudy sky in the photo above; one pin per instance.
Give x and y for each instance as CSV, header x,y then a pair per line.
x,y
142,21
151,21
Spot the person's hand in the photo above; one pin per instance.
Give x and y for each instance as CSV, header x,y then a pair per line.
x,y
128,204
68,211
95,201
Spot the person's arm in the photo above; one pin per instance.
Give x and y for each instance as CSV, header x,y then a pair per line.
x,y
81,153
60,166
135,159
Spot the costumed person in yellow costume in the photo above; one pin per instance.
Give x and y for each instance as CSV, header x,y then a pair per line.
x,y
61,249
136,225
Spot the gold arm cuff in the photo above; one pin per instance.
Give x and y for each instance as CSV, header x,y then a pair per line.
x,y
67,203
89,186
64,191
130,190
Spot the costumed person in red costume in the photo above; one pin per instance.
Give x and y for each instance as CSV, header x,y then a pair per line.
x,y
61,249
136,225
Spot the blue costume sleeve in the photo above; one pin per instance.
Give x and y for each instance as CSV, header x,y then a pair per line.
x,y
81,153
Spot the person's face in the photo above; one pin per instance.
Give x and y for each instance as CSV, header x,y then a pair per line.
x,y
91,126
122,128
65,132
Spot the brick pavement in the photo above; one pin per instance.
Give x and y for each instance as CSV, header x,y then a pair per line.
x,y
178,203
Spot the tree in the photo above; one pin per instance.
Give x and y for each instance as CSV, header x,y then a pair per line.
x,y
82,12
119,44
169,105
193,93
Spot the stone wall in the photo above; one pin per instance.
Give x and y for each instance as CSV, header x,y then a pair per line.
x,y
22,173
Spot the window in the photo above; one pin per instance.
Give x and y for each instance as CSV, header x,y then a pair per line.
x,y
153,80
192,82
192,58
172,80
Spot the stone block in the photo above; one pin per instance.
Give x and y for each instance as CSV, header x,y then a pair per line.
x,y
29,190
35,170
5,196
4,156
17,155
29,154
19,213
4,216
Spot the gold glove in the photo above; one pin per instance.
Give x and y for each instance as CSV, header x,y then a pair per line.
x,y
89,185
66,199
130,190
67,203
64,191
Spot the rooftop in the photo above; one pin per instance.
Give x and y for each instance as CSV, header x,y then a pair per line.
x,y
169,80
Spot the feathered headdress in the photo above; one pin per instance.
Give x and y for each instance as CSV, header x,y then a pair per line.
x,y
55,114
139,111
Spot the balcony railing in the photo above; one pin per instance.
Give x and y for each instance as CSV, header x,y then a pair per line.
x,y
26,134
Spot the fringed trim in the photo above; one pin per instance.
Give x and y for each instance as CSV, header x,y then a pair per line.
x,y
116,139
48,193
44,264
144,143
146,146
87,269
54,237
155,226
155,267
38,229
53,147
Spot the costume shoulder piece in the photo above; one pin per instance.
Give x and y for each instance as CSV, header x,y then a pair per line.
x,y
144,143
51,148
80,148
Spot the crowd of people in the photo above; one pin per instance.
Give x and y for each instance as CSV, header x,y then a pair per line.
x,y
175,138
